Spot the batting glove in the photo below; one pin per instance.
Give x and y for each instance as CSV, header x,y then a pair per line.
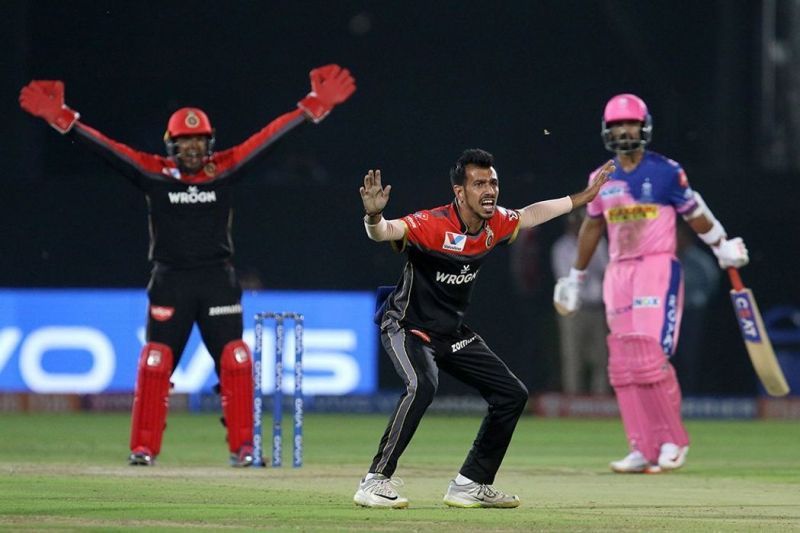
x,y
45,99
566,295
731,253
330,86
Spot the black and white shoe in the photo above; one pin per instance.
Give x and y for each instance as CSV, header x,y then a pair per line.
x,y
475,494
380,492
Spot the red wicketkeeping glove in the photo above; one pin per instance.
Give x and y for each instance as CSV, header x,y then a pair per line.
x,y
330,85
45,99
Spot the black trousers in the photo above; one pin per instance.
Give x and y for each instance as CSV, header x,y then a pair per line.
x,y
466,357
209,296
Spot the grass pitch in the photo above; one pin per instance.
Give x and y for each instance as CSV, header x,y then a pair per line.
x,y
68,471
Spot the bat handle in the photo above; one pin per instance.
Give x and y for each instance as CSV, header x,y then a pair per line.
x,y
736,279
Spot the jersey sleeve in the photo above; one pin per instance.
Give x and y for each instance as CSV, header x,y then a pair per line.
x,y
133,164
594,208
505,225
417,230
230,160
679,192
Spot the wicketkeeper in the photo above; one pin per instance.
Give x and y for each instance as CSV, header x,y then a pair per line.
x,y
189,197
643,284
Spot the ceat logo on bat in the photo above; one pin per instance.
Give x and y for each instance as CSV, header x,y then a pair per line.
x,y
454,241
747,321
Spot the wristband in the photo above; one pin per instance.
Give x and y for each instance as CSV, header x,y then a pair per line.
x,y
578,276
714,235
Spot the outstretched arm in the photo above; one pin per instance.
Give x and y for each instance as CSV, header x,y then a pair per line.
x,y
331,85
375,197
541,212
45,99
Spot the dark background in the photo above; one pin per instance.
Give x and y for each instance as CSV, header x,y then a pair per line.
x,y
524,80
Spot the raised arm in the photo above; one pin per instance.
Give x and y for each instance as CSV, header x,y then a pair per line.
x,y
375,197
331,85
45,99
541,212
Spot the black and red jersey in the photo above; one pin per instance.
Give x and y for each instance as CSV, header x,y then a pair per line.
x,y
443,263
190,216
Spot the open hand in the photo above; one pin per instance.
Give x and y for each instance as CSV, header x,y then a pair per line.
x,y
373,194
588,194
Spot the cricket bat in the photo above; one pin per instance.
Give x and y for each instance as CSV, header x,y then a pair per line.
x,y
755,337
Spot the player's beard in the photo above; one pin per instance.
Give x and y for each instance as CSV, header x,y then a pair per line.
x,y
627,144
192,161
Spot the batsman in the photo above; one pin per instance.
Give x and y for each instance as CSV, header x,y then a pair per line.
x,y
190,209
643,284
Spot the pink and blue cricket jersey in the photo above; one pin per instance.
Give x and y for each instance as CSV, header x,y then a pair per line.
x,y
643,286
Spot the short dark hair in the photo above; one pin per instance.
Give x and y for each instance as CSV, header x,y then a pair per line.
x,y
470,156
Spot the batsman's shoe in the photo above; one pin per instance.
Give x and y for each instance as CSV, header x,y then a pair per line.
x,y
141,456
634,463
244,457
478,495
380,492
672,456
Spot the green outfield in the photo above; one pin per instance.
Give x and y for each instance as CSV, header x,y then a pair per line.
x,y
68,471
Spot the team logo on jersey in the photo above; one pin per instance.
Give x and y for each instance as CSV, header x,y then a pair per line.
x,y
647,191
489,237
454,241
161,313
630,213
192,196
210,169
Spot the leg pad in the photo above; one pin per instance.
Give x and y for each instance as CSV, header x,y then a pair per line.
x,y
151,398
236,386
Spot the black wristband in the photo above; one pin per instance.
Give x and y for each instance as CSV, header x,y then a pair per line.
x,y
374,214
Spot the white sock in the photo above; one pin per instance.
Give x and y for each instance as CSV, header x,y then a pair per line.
x,y
463,480
370,475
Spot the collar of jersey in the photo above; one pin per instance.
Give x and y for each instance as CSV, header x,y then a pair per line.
x,y
457,218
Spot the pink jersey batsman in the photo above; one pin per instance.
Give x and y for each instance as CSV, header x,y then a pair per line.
x,y
643,286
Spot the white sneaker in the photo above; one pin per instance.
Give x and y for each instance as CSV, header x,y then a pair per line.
x,y
634,463
672,456
380,492
478,495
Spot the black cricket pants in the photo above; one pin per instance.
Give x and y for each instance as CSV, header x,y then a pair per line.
x,y
467,358
210,296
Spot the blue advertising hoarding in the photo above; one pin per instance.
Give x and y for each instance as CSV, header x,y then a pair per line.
x,y
88,341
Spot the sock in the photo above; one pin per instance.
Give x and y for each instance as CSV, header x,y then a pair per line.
x,y
370,475
463,480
